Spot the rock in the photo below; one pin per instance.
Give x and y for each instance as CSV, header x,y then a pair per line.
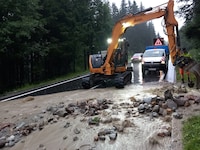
x,y
136,104
96,138
102,138
164,133
101,133
147,100
11,143
197,100
155,114
180,101
11,138
168,94
72,105
154,101
155,137
106,131
182,89
115,119
60,113
127,123
82,105
164,105
67,125
177,115
75,138
169,111
101,101
161,111
167,118
41,125
133,99
65,137
29,98
106,120
115,106
171,104
153,141
119,127
164,113
77,131
2,143
156,108
52,109
187,104
160,99
69,110
191,97
113,136
41,147
20,126
92,112
141,108
50,118
94,121
105,106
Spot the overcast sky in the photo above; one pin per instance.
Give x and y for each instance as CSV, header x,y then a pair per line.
x,y
152,3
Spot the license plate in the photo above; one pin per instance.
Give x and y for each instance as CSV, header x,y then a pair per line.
x,y
152,69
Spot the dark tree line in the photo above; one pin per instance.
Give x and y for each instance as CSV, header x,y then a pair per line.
x,y
44,39
190,32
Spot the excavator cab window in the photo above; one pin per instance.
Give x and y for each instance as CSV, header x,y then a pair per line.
x,y
97,60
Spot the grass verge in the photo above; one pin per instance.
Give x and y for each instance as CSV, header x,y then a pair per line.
x,y
191,133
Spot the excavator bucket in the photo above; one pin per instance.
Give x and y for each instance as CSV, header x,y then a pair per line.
x,y
190,65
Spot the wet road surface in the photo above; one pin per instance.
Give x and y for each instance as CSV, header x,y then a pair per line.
x,y
138,77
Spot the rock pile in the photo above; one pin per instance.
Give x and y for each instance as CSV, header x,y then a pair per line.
x,y
100,111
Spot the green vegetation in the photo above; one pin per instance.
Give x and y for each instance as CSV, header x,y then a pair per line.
x,y
178,77
191,133
190,32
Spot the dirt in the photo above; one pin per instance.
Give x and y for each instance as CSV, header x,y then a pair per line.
x,y
141,133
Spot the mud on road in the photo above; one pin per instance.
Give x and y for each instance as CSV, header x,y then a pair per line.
x,y
120,119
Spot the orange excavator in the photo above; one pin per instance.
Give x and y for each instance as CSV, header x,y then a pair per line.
x,y
113,68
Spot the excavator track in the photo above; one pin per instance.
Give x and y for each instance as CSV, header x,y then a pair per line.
x,y
123,79
118,80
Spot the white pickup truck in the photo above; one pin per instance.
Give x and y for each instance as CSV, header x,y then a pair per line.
x,y
155,58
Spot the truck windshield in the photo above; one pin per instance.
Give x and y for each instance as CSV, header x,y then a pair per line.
x,y
153,53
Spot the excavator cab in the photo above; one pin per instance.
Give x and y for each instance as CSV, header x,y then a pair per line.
x,y
121,54
119,61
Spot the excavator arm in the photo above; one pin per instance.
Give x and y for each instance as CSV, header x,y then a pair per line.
x,y
108,67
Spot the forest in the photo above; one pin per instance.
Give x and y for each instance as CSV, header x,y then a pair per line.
x,y
42,39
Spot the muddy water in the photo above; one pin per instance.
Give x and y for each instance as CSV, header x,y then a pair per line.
x,y
55,136
144,128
